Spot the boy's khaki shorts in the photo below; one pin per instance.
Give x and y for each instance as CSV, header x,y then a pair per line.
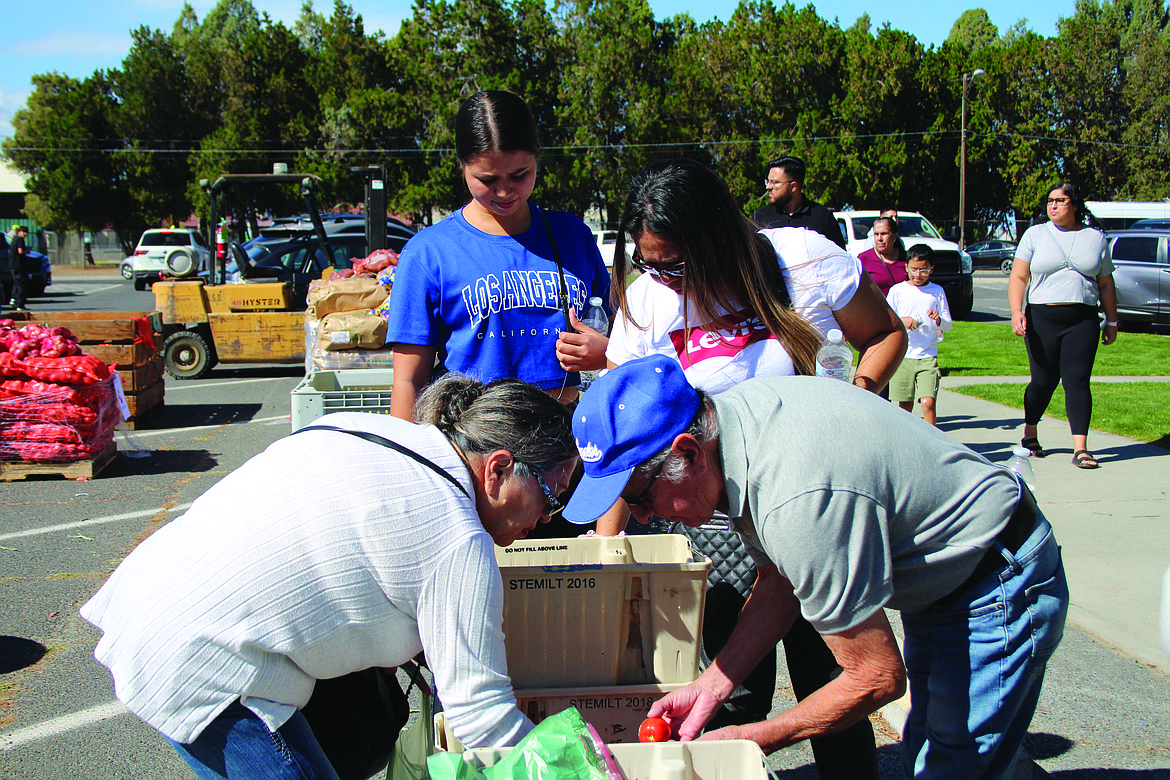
x,y
914,379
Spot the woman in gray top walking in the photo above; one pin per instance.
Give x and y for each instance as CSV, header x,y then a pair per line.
x,y
1060,275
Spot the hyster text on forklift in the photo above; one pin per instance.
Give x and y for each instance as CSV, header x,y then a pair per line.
x,y
258,320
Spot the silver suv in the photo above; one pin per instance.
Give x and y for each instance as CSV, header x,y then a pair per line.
x,y
178,252
1141,273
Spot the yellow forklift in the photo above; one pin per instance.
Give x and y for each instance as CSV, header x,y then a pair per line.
x,y
260,317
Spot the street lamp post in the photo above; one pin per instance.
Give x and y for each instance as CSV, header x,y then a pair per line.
x,y
967,79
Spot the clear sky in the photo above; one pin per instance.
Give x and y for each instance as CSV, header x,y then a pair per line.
x,y
75,37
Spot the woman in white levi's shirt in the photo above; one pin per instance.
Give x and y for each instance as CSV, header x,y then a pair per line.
x,y
731,304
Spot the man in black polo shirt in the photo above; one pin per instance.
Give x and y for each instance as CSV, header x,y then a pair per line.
x,y
788,206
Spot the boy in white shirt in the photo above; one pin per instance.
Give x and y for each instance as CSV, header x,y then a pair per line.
x,y
922,306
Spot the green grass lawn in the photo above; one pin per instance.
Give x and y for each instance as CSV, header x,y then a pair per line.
x,y
1136,410
991,349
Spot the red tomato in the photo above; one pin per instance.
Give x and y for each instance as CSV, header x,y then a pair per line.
x,y
654,730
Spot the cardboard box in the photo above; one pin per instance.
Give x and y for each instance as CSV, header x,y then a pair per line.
x,y
616,711
602,611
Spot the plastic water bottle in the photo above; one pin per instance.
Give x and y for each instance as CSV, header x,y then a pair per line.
x,y
835,359
595,318
1021,463
927,328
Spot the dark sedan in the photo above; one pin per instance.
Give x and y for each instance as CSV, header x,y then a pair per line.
x,y
993,254
37,266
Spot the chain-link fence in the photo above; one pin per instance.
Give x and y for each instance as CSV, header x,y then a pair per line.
x,y
72,248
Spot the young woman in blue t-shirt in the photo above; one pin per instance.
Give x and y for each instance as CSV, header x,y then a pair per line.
x,y
484,292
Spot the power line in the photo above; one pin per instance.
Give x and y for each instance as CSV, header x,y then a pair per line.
x,y
594,147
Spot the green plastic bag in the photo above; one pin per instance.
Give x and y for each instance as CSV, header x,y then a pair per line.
x,y
413,745
561,747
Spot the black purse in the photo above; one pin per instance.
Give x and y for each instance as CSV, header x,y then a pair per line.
x,y
356,719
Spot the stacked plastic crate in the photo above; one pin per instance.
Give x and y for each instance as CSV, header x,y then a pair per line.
x,y
607,625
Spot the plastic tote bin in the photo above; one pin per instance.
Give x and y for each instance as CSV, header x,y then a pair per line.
x,y
353,390
602,611
731,759
616,711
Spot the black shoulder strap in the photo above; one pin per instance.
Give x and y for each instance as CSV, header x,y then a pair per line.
x,y
376,439
560,270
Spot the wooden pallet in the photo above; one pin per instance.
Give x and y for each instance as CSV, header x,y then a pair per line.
x,y
11,471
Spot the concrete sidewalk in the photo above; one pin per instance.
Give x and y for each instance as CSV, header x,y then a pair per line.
x,y
1113,522
1105,708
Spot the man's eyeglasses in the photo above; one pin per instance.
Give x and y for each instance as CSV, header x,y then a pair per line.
x,y
643,498
773,183
673,271
1057,201
552,504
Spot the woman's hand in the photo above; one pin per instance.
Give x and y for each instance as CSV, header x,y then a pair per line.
x,y
910,323
1017,289
583,350
1108,292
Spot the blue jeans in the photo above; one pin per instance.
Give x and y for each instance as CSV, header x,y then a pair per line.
x,y
975,663
238,746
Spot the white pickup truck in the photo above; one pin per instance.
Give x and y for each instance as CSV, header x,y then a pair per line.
x,y
952,266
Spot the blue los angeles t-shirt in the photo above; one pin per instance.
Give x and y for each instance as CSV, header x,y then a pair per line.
x,y
491,304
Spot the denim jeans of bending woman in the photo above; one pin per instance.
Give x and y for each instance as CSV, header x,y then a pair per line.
x,y
238,746
975,663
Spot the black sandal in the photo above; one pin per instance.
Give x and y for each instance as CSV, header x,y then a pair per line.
x,y
1032,445
1081,460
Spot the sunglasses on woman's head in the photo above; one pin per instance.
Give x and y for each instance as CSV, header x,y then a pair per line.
x,y
673,271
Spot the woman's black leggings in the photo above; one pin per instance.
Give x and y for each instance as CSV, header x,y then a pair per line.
x,y
1062,345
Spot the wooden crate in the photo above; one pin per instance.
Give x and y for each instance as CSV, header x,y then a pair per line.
x,y
138,378
95,327
11,471
115,339
124,355
143,403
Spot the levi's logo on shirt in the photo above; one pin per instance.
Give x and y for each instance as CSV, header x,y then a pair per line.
x,y
706,342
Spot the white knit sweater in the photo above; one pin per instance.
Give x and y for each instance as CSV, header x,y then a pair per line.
x,y
323,555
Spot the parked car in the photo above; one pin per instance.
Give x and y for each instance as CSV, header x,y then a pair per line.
x,y
993,254
1151,224
179,252
39,268
296,259
396,232
1141,273
607,245
952,266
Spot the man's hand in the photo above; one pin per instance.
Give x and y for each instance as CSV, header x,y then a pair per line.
x,y
910,323
688,709
583,350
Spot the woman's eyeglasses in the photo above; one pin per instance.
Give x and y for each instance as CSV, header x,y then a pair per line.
x,y
552,504
673,271
1058,201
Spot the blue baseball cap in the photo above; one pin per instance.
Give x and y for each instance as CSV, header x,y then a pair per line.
x,y
629,414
